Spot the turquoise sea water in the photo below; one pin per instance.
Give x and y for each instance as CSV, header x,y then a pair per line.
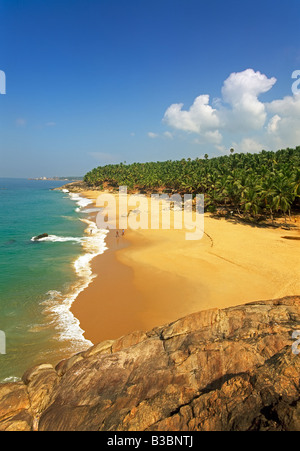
x,y
40,280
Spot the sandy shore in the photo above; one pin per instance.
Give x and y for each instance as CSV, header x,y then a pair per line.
x,y
152,277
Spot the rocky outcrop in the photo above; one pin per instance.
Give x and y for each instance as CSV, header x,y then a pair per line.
x,y
230,369
75,187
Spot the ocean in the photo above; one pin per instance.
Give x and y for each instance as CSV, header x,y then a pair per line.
x,y
39,280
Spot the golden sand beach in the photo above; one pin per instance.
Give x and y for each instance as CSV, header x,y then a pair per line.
x,y
152,277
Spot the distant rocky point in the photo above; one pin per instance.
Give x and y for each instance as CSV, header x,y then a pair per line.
x,y
217,370
58,179
74,187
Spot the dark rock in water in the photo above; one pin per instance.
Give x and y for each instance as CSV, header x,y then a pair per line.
x,y
39,237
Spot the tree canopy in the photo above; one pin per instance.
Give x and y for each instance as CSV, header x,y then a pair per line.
x,y
263,184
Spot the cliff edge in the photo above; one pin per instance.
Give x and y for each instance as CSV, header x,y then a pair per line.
x,y
219,370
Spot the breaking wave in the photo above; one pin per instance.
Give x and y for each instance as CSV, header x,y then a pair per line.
x,y
58,305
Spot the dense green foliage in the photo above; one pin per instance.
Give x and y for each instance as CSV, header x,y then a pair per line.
x,y
254,185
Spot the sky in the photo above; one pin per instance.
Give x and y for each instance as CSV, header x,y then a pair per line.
x,y
95,82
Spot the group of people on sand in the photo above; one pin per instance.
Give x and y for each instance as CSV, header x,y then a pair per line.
x,y
118,234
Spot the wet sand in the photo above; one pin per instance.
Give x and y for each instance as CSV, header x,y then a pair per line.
x,y
152,277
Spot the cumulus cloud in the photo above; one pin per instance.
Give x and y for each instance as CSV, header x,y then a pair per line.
x,y
247,83
288,106
239,117
214,137
273,124
201,117
283,128
248,145
241,91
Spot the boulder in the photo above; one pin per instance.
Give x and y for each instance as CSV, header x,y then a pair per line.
x,y
218,370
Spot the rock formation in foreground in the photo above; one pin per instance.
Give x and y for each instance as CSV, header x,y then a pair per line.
x,y
230,369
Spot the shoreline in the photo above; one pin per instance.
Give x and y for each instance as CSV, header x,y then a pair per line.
x,y
153,277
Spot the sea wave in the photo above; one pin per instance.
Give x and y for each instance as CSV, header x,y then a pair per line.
x,y
58,305
93,210
10,380
59,239
82,202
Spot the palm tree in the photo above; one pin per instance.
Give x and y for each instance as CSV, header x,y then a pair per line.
x,y
251,202
267,183
283,196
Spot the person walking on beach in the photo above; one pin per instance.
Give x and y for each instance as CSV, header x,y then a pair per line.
x,y
117,234
123,232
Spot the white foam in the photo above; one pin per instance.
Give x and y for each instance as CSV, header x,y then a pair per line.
x,y
60,239
58,305
82,202
10,380
68,327
93,210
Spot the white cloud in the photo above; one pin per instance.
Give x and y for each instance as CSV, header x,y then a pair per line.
x,y
273,124
152,135
247,83
201,117
221,149
168,135
240,116
241,91
214,137
248,145
288,106
283,128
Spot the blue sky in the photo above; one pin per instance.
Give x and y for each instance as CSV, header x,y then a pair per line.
x,y
90,82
